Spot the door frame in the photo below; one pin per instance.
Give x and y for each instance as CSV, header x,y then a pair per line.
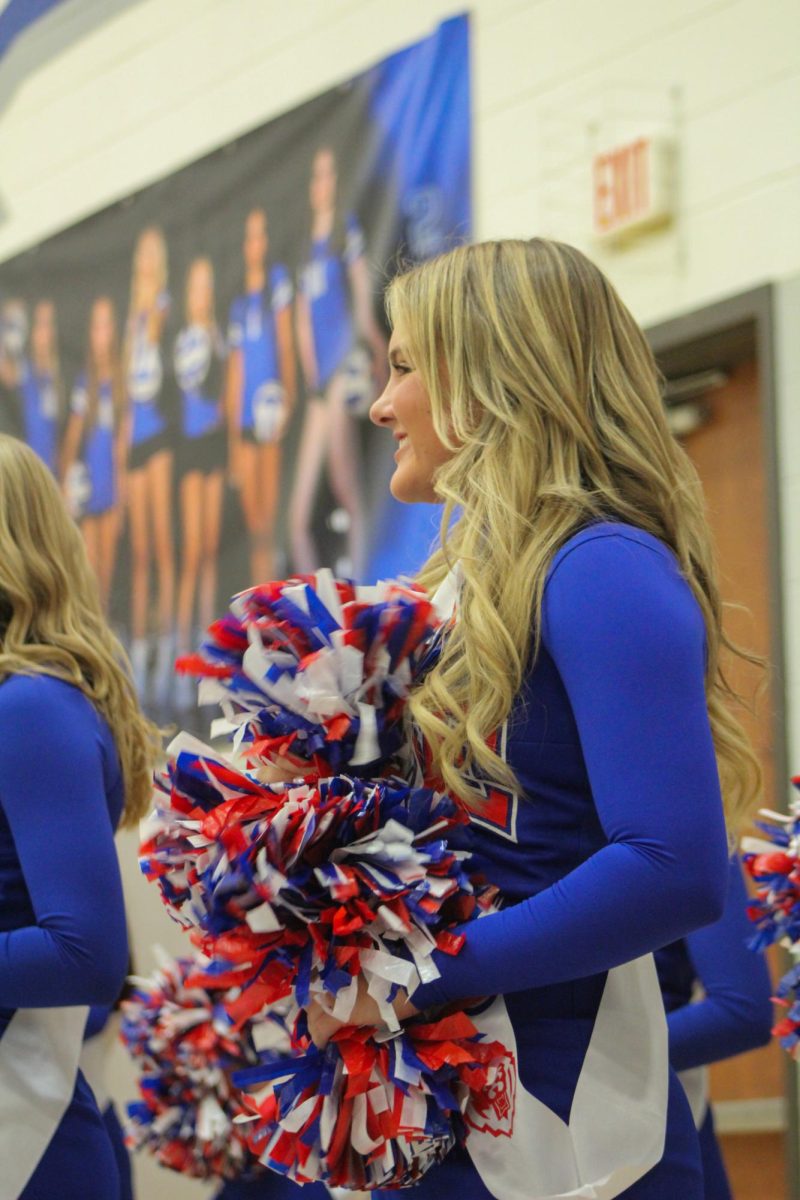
x,y
715,336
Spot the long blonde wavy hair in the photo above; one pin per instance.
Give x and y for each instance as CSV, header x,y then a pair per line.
x,y
51,622
546,392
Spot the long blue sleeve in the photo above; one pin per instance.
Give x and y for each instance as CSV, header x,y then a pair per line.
x,y
97,1020
54,801
627,640
735,1014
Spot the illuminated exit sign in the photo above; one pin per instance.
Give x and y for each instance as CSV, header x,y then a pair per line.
x,y
633,187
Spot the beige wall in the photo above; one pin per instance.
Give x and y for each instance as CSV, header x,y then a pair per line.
x,y
167,80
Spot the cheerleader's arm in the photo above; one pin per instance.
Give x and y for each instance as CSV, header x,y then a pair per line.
x,y
361,290
287,361
53,796
628,640
72,440
305,342
735,1013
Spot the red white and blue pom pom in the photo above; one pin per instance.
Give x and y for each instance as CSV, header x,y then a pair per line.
x,y
316,670
371,1110
773,863
182,1039
186,1047
300,889
787,1028
293,883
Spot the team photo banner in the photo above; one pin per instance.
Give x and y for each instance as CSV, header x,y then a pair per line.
x,y
196,362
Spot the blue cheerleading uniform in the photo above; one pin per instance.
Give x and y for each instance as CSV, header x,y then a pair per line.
x,y
63,942
324,282
734,1015
272,1187
40,413
199,359
252,330
615,843
97,454
199,354
145,385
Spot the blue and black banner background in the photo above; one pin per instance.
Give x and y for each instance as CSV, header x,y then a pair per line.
x,y
400,133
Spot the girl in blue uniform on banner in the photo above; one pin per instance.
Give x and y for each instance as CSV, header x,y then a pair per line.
x,y
40,386
94,452
576,705
150,464
261,389
199,360
334,311
76,757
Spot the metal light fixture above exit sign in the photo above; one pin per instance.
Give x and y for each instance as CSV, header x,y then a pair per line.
x,y
633,187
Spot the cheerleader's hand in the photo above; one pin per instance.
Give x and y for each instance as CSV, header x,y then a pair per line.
x,y
281,770
322,1026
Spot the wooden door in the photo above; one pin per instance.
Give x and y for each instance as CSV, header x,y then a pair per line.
x,y
728,454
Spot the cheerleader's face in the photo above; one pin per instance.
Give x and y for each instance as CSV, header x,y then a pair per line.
x,y
102,329
43,331
404,409
200,292
149,270
322,192
150,257
256,241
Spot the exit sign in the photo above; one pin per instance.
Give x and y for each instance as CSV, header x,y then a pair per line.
x,y
633,187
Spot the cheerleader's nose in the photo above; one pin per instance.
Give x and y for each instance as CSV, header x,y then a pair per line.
x,y
381,411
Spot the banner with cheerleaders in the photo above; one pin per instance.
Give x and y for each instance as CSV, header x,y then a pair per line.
x,y
196,363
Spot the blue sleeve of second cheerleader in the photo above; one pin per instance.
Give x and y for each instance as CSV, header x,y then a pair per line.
x,y
628,640
97,1020
53,796
735,1013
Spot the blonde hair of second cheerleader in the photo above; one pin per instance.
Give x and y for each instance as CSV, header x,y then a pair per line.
x,y
51,622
